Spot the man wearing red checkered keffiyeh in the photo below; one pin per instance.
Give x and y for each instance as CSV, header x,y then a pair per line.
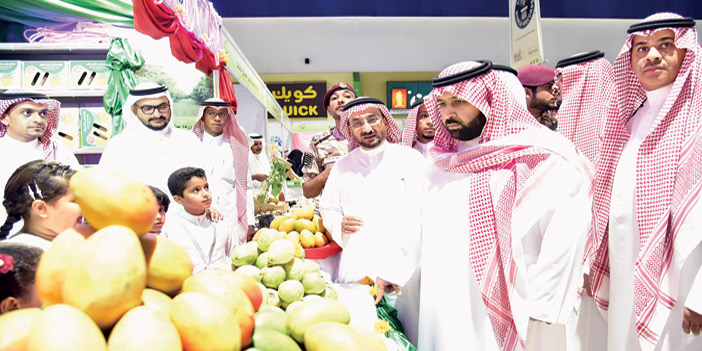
x,y
647,215
371,203
419,130
27,124
505,218
589,97
218,128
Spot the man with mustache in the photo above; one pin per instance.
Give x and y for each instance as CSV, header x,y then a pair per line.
x,y
27,124
219,131
541,99
328,146
647,250
150,147
371,200
505,217
419,130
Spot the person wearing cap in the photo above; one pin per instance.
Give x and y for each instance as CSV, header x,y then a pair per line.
x,y
587,86
541,99
259,165
371,202
328,146
150,147
645,275
27,124
219,130
419,131
506,213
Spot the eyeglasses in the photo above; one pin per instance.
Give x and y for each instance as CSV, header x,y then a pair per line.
x,y
358,123
147,109
221,115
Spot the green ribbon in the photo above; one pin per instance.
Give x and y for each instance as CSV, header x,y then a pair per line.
x,y
40,12
388,313
122,60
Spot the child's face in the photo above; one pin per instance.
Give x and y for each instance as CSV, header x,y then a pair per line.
x,y
196,196
160,220
63,213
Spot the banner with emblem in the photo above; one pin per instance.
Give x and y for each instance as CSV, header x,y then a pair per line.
x,y
526,46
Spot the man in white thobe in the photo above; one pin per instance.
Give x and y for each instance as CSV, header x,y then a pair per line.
x,y
646,275
419,130
27,124
505,218
219,130
151,147
259,165
371,201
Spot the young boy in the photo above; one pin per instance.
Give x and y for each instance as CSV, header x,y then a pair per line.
x,y
163,203
206,242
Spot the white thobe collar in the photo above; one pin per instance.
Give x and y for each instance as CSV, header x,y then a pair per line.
x,y
200,221
423,147
657,97
209,139
373,152
34,144
639,125
464,145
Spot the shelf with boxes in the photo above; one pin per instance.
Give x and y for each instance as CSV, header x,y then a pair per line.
x,y
76,76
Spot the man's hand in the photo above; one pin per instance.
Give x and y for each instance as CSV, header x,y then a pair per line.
x,y
586,284
692,322
385,287
350,224
260,177
214,215
314,186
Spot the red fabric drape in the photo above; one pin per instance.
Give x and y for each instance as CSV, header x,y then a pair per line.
x,y
208,63
226,89
185,46
155,20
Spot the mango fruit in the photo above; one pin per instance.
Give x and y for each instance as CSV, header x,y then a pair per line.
x,y
271,340
341,337
272,276
65,328
291,291
157,301
107,275
267,238
307,239
245,254
203,324
314,283
302,224
167,263
262,260
250,271
275,223
295,269
130,332
16,326
273,320
315,311
271,298
281,251
109,197
54,264
287,225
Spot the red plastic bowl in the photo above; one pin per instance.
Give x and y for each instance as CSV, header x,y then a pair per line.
x,y
325,251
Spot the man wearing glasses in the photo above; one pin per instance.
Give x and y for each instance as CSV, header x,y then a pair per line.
x,y
150,147
219,131
371,203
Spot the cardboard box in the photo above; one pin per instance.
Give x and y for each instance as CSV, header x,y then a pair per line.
x,y
10,74
45,75
68,131
88,75
95,125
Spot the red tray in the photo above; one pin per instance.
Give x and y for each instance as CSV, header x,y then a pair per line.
x,y
325,251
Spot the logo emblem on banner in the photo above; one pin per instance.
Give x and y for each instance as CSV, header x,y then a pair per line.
x,y
523,12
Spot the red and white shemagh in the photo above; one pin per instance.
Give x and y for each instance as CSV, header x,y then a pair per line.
x,y
393,133
490,229
668,181
54,113
409,134
589,98
240,152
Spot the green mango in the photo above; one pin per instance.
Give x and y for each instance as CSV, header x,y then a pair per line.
x,y
272,319
271,340
315,311
341,337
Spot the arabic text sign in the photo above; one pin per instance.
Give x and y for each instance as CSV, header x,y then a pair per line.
x,y
301,100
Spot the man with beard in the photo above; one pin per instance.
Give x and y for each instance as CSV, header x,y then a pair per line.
x,y
151,148
541,99
372,198
646,275
328,146
259,165
27,124
505,216
419,131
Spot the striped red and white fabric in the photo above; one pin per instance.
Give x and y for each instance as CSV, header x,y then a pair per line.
x,y
668,180
393,134
240,152
490,229
409,133
589,98
52,122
